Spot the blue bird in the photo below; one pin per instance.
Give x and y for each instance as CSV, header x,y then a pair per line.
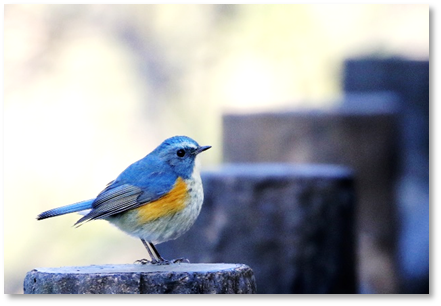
x,y
156,199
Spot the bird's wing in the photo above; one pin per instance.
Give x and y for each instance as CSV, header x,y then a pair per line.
x,y
120,196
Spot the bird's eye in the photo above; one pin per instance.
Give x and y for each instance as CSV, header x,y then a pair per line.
x,y
180,153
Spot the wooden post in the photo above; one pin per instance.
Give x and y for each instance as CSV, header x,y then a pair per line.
x,y
183,278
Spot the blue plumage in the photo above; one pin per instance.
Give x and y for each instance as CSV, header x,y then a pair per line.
x,y
80,206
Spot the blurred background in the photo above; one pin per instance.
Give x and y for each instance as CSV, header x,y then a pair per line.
x,y
89,89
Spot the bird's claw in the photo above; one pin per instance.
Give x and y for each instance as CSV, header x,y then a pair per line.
x,y
142,261
180,260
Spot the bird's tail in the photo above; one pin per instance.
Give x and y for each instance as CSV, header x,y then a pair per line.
x,y
66,209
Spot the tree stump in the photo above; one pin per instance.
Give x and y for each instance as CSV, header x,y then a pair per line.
x,y
183,278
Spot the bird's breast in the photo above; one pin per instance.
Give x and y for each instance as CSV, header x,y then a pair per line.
x,y
174,201
186,195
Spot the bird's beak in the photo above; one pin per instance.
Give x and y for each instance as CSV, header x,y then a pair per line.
x,y
202,149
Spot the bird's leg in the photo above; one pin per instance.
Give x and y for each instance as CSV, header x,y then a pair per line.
x,y
155,257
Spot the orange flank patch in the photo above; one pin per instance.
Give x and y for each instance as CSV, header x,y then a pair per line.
x,y
171,203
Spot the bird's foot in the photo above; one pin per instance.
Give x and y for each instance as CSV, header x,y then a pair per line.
x,y
161,261
180,260
143,261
